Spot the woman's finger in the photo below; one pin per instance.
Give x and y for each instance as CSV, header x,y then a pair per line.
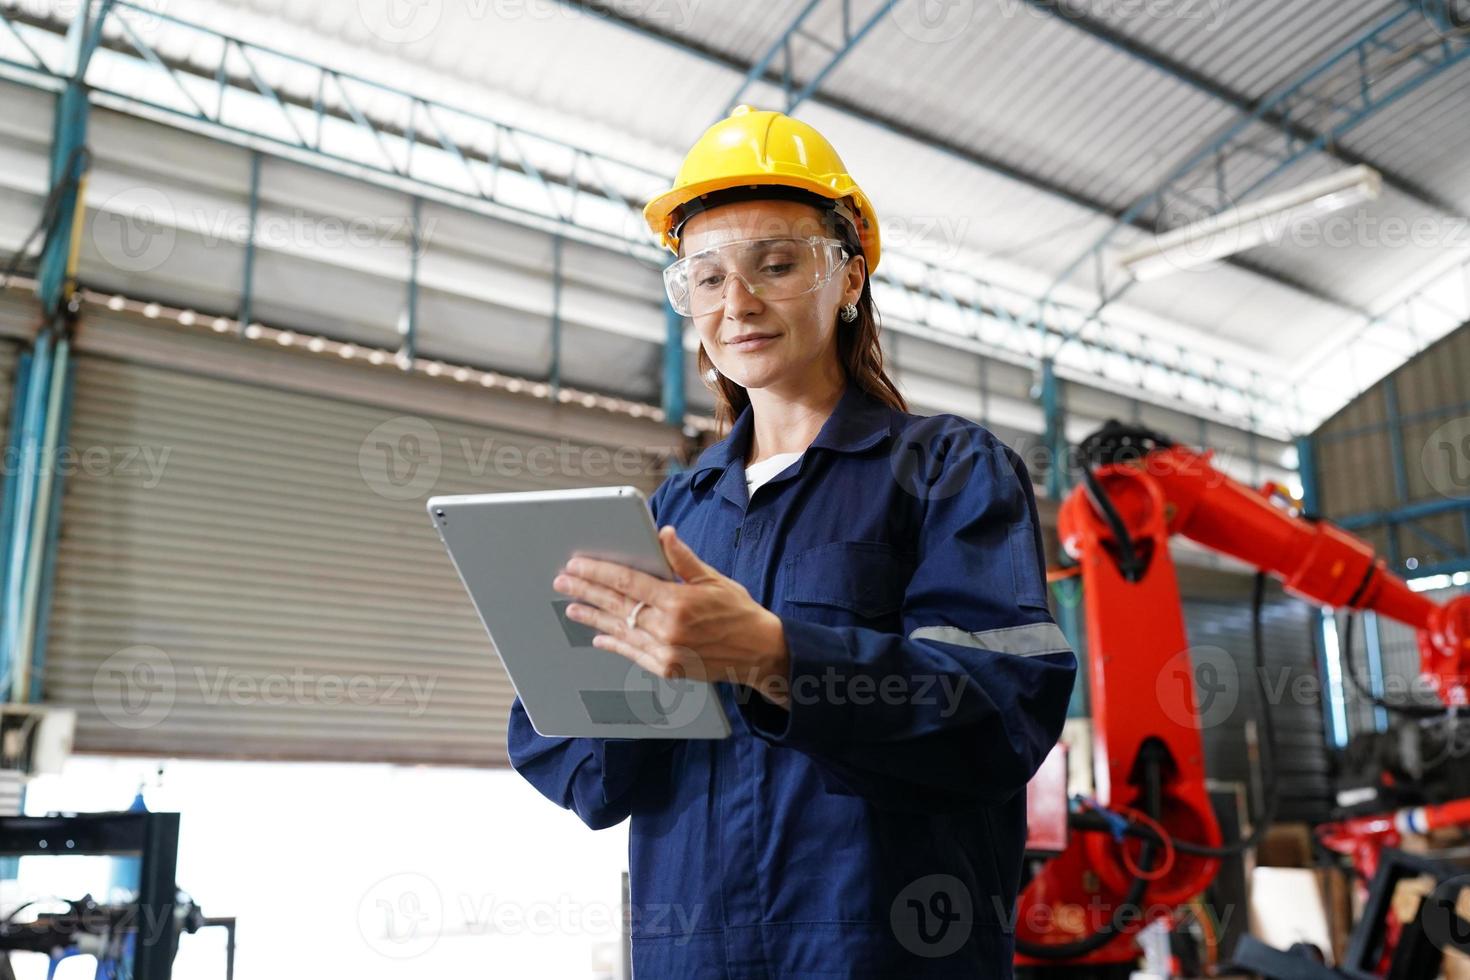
x,y
631,651
607,599
607,622
682,559
620,578
674,663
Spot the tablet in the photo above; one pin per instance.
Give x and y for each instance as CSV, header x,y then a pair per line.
x,y
507,548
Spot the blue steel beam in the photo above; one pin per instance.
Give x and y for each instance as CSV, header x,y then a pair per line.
x,y
332,99
1173,377
1376,69
247,286
849,41
931,139
1452,567
1058,473
9,509
1439,543
379,129
1058,482
1408,418
674,404
30,539
53,541
889,124
68,153
36,63
991,303
1408,512
782,46
408,350
1292,128
554,369
762,69
25,455
39,544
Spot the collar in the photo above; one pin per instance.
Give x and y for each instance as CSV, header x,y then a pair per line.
x,y
860,420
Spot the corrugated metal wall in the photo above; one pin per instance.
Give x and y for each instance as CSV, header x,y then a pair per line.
x,y
1401,444
1356,451
246,571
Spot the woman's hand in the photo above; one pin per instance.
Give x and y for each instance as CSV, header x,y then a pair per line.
x,y
706,627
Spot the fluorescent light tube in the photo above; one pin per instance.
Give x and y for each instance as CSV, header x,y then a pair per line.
x,y
1249,225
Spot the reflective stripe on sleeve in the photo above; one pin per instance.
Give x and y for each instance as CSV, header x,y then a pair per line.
x,y
1031,640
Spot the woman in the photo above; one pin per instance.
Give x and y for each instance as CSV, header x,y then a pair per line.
x,y
865,588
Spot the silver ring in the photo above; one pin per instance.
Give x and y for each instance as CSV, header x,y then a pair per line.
x,y
632,618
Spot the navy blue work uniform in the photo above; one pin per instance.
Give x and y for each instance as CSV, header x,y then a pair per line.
x,y
876,828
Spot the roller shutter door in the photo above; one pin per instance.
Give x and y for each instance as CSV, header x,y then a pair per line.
x,y
1219,634
248,572
1220,638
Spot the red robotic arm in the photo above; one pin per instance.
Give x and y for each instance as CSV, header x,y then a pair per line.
x,y
1145,711
1313,559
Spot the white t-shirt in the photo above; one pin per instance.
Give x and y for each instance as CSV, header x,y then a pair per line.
x,y
758,473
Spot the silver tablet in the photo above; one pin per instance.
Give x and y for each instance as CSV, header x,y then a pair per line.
x,y
507,548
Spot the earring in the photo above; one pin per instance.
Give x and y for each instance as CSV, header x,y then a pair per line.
x,y
848,312
711,377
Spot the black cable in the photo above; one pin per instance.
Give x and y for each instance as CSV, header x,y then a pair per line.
x,y
1272,804
1112,443
1368,576
1153,803
70,179
1128,562
10,917
1267,816
1406,710
1107,932
1110,440
1116,443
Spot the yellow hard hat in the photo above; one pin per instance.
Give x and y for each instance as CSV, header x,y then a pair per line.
x,y
763,149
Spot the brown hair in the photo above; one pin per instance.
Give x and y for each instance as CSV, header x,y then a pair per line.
x,y
859,350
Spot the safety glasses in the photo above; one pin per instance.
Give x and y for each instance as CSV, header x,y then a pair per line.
x,y
768,268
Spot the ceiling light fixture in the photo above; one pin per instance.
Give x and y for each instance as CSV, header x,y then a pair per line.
x,y
1240,228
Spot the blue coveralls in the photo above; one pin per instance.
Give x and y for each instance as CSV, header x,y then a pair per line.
x,y
876,828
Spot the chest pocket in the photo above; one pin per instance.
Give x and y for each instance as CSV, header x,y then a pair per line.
x,y
847,581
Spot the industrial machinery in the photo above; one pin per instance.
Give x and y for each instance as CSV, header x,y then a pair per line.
x,y
1149,840
133,934
135,939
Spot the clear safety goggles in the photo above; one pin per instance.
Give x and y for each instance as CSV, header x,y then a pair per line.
x,y
768,268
